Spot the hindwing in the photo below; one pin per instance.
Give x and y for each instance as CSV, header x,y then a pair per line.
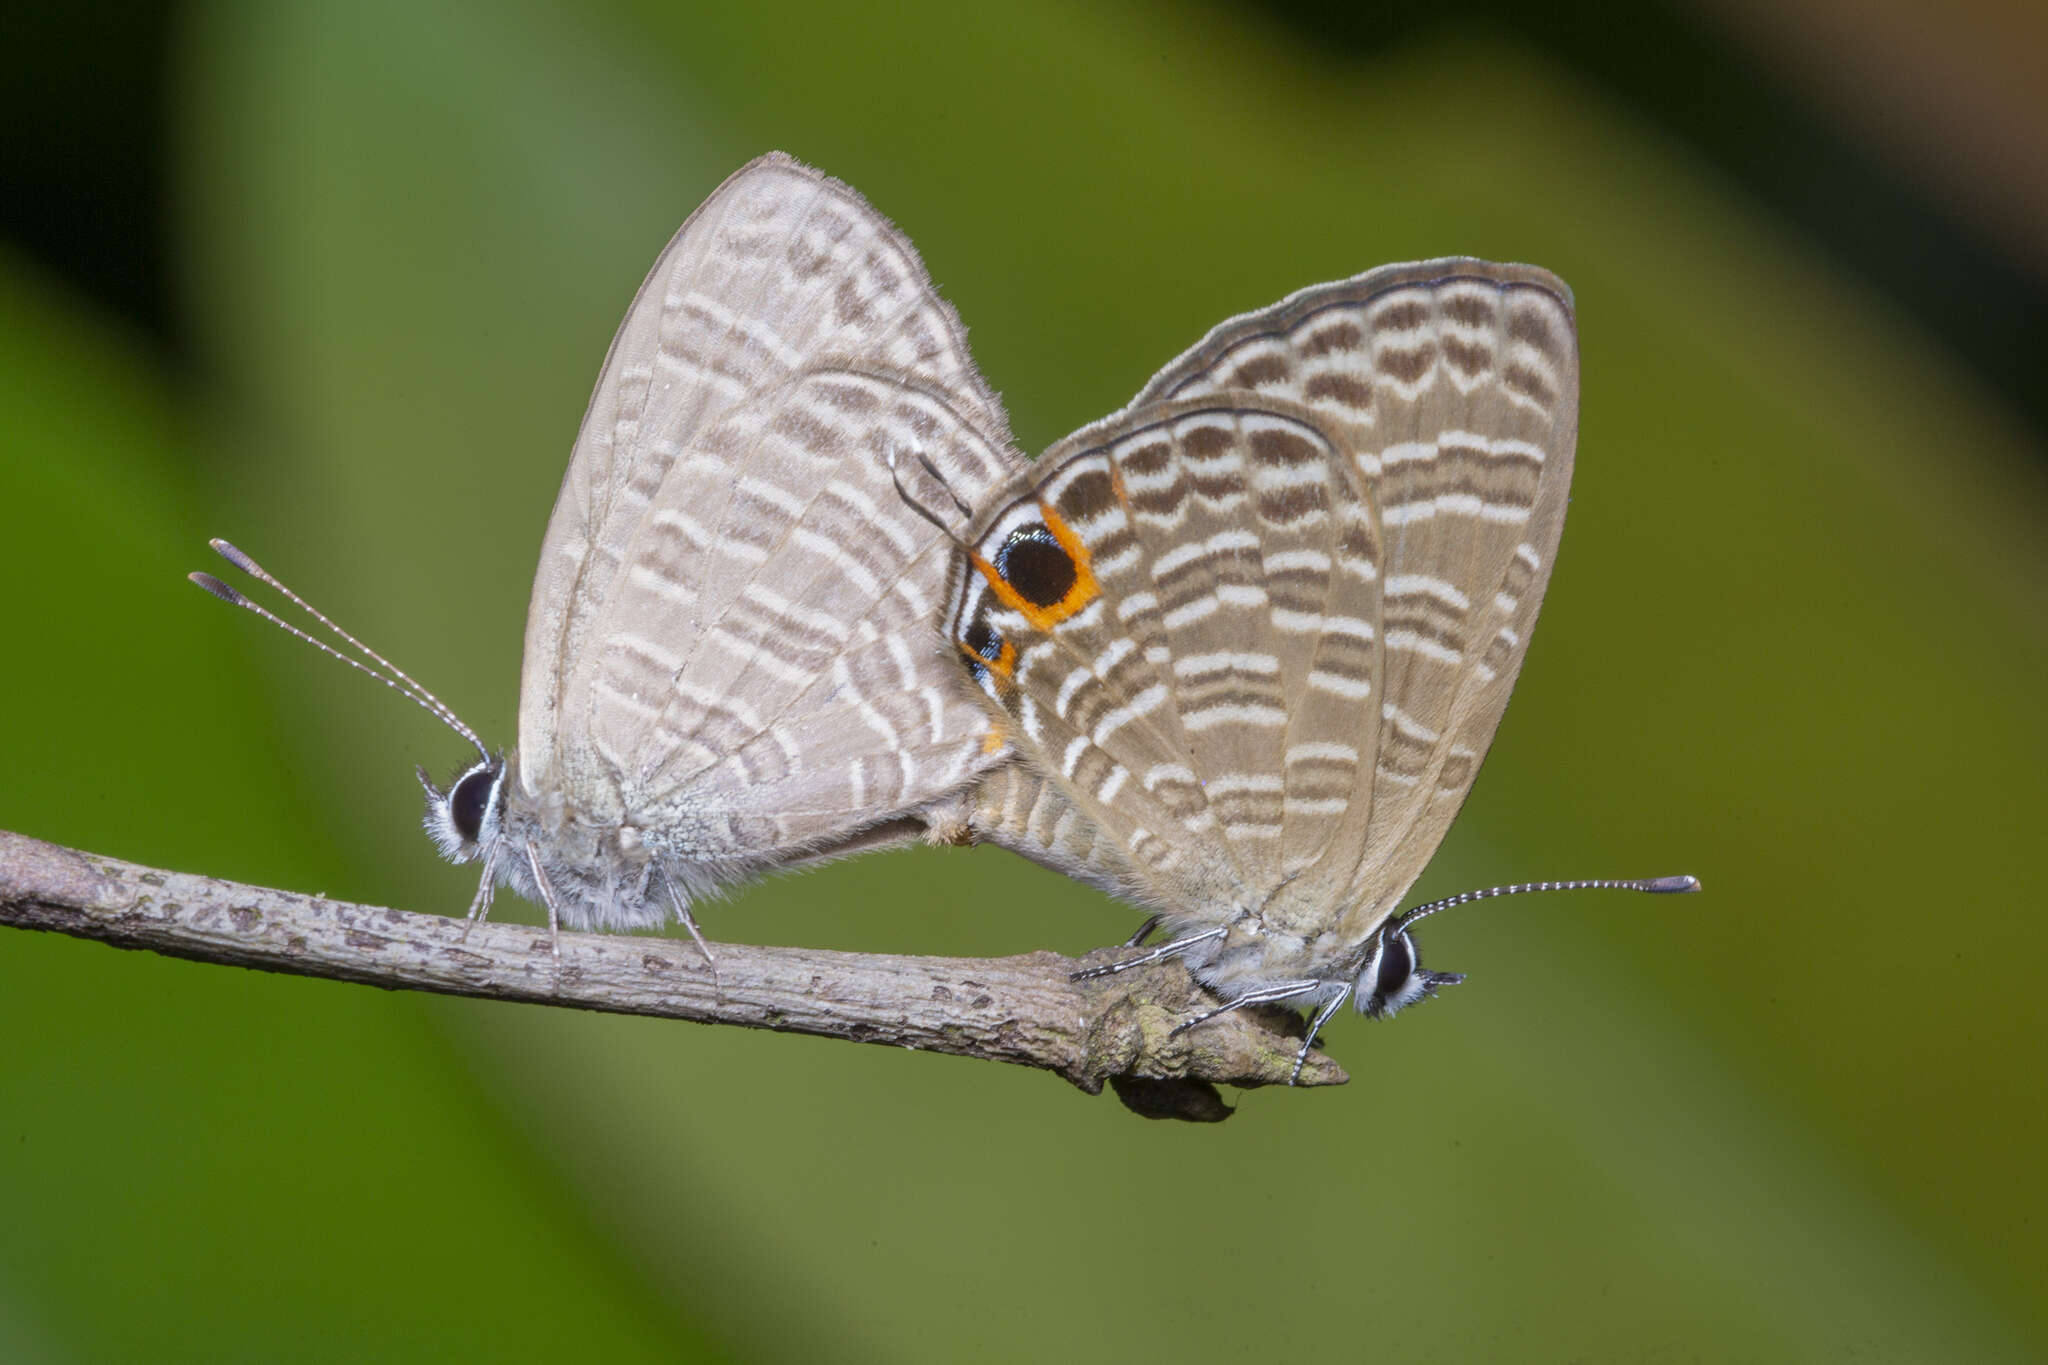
x,y
731,640
1260,627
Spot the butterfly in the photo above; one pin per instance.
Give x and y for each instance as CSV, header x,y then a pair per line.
x,y
732,662
1252,635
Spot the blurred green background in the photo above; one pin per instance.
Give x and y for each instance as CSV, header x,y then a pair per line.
x,y
336,281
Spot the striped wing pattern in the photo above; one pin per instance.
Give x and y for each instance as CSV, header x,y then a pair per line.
x,y
1304,566
730,641
1158,692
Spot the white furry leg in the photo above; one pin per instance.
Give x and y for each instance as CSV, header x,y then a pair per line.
x,y
682,908
1179,945
547,895
480,907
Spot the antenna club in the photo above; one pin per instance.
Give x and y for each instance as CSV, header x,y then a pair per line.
x,y
1671,886
219,589
235,557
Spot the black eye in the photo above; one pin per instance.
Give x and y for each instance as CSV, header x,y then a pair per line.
x,y
1397,964
1036,565
467,803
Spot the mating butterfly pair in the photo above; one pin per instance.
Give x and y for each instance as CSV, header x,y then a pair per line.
x,y
1234,653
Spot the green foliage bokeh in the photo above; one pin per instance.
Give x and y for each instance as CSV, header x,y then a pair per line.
x,y
1794,645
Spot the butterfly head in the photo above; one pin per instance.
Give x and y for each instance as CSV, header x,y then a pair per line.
x,y
1392,977
465,818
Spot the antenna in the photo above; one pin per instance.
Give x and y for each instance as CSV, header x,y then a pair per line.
x,y
1656,886
399,680
966,512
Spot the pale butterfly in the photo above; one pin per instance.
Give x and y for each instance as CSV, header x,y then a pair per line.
x,y
1252,635
733,660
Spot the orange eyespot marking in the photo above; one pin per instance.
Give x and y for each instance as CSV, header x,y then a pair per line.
x,y
995,741
986,649
992,663
1041,572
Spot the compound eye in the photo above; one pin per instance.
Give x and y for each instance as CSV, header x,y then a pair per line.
x,y
470,799
1396,965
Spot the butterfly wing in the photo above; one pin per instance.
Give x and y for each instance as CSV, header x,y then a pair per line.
x,y
731,639
1319,540
1174,606
1455,383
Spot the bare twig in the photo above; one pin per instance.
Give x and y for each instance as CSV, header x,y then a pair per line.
x,y
1022,1010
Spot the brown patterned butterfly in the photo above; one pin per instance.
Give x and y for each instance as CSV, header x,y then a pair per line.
x,y
731,657
1252,635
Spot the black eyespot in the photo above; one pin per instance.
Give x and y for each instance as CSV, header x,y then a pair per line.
x,y
1036,565
1397,964
984,640
468,801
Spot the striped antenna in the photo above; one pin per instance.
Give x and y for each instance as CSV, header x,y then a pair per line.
x,y
1656,886
398,680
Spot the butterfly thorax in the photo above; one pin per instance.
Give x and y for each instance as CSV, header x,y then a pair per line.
x,y
602,876
1255,954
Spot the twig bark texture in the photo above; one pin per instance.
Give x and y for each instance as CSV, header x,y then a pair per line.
x,y
1024,1010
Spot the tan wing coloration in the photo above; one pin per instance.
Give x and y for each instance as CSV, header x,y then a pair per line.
x,y
730,646
1465,438
1159,606
1260,627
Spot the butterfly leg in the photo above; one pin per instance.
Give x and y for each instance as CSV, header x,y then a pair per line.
x,y
1315,1026
547,894
932,471
1268,995
1144,931
480,908
682,910
1179,945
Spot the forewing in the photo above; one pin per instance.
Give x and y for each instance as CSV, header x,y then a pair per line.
x,y
725,514
1455,383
